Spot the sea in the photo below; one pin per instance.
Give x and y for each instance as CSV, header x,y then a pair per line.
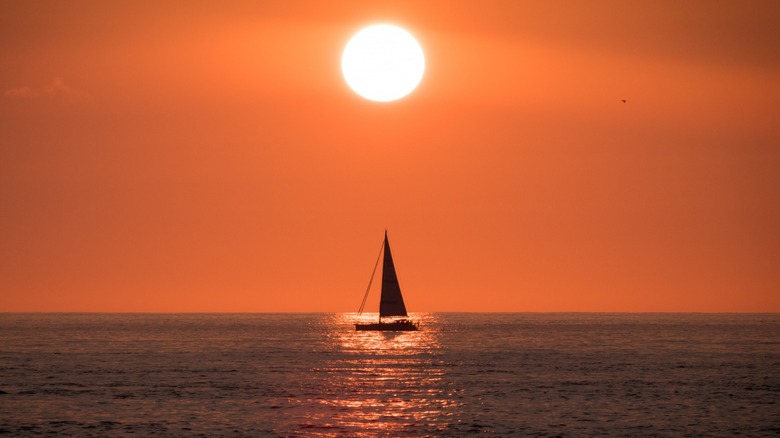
x,y
461,374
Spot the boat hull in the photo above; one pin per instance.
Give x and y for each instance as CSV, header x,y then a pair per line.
x,y
399,326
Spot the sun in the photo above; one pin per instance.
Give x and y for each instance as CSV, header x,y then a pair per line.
x,y
383,63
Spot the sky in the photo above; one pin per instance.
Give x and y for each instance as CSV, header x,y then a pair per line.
x,y
208,156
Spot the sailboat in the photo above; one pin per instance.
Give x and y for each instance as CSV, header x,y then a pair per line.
x,y
391,303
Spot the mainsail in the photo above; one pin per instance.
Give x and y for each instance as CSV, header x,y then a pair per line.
x,y
391,303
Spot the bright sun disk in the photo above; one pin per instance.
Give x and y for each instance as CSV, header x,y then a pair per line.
x,y
383,63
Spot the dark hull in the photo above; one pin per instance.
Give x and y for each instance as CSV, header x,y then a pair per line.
x,y
402,326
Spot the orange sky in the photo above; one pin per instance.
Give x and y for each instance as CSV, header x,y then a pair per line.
x,y
208,156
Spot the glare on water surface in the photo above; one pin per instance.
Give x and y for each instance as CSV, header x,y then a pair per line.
x,y
382,381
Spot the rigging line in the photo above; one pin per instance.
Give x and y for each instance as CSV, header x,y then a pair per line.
x,y
376,265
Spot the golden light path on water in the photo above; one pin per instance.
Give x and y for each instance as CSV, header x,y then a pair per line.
x,y
388,382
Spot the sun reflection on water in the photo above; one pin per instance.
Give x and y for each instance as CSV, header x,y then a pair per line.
x,y
386,382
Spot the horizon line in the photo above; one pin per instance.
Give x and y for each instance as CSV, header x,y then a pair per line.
x,y
292,312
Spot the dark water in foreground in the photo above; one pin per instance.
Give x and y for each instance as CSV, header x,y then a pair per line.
x,y
312,374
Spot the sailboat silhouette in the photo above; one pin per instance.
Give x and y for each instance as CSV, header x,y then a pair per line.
x,y
391,303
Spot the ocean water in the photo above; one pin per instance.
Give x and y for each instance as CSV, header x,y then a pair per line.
x,y
511,374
